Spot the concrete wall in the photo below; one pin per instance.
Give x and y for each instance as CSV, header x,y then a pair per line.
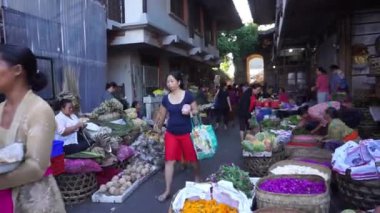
x,y
120,66
327,53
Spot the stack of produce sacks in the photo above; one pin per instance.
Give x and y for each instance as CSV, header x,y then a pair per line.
x,y
362,159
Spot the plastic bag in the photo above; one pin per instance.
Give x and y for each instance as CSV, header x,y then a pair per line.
x,y
124,153
81,166
204,140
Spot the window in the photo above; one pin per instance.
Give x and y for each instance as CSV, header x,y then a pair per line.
x,y
45,65
177,8
209,31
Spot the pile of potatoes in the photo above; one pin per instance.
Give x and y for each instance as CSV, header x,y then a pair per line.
x,y
121,182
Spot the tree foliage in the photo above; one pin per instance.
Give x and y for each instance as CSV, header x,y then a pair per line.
x,y
240,42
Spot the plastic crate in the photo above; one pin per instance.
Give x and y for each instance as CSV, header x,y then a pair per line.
x,y
57,149
58,164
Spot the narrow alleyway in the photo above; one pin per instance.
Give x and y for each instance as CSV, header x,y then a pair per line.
x,y
143,201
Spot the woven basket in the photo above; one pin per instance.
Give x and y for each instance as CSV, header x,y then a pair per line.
x,y
319,203
321,169
277,210
76,188
315,153
258,166
363,194
121,164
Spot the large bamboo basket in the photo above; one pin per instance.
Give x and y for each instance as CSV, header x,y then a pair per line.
x,y
258,166
76,188
319,203
321,169
311,153
362,194
278,210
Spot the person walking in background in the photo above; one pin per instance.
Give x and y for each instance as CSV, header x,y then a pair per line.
x,y
338,84
138,107
110,89
222,105
234,99
283,96
321,85
27,119
179,105
246,106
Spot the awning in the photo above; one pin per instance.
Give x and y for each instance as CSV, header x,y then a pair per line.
x,y
263,11
224,12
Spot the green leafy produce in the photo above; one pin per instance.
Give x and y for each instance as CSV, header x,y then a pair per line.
x,y
294,119
263,141
117,129
270,124
85,155
239,178
300,131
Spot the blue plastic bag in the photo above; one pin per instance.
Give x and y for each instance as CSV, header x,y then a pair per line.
x,y
204,140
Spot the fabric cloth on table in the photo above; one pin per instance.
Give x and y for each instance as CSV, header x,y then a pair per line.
x,y
361,159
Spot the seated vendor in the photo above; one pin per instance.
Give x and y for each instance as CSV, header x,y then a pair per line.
x,y
337,129
68,125
338,132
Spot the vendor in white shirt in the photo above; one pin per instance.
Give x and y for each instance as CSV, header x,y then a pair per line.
x,y
68,125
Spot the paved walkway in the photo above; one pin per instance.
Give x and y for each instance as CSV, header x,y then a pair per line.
x,y
143,201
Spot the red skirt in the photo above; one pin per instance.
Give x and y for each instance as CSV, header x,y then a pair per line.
x,y
178,146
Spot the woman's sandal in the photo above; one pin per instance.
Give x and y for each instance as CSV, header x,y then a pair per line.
x,y
162,198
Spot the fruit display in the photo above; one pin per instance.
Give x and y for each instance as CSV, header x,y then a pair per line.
x,y
262,141
123,181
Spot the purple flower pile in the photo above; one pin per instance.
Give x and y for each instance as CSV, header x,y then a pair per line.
x,y
293,186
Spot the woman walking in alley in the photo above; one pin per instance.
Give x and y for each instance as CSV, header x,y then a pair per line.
x,y
246,106
321,85
179,105
222,106
27,119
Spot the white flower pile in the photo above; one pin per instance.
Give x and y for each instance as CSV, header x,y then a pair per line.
x,y
298,170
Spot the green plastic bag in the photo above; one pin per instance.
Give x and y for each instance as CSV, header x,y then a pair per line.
x,y
204,140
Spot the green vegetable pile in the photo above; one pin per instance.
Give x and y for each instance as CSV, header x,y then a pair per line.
x,y
239,178
117,129
300,131
269,124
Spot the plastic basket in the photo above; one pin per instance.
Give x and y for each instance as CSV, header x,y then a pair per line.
x,y
57,148
58,164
